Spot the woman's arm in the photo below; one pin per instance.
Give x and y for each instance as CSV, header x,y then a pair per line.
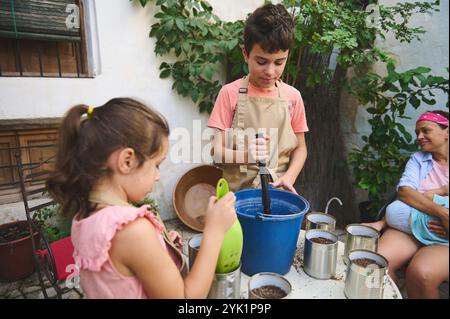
x,y
419,201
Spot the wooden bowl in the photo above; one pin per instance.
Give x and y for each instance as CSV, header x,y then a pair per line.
x,y
192,192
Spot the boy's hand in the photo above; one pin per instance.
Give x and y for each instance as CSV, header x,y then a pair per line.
x,y
285,183
258,150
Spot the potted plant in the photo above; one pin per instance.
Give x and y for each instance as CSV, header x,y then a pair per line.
x,y
16,251
379,163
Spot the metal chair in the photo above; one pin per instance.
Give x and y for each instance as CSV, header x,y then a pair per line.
x,y
51,259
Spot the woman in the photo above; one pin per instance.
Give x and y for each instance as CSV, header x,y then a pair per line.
x,y
425,176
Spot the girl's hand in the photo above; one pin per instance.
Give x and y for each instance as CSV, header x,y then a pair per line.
x,y
258,150
437,228
221,213
285,183
176,238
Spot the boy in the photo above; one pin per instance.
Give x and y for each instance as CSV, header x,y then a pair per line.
x,y
261,102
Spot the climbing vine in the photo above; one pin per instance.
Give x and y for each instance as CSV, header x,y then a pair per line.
x,y
331,36
205,46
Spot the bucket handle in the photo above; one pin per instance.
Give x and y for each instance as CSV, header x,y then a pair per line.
x,y
263,216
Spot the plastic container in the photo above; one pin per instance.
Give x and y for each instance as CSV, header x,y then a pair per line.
x,y
270,241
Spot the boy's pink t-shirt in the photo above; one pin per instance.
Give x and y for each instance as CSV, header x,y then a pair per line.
x,y
226,102
91,239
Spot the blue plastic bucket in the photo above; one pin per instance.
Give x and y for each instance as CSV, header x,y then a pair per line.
x,y
270,241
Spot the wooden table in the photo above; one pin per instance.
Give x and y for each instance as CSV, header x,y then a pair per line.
x,y
306,287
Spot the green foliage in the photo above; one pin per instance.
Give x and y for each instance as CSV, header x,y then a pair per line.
x,y
379,164
46,217
204,45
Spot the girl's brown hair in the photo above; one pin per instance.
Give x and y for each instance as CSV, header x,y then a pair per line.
x,y
86,142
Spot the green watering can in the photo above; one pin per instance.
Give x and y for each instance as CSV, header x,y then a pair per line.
x,y
231,251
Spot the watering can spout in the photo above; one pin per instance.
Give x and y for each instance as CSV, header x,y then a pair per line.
x,y
329,202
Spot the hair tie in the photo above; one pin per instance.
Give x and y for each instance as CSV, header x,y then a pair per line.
x,y
90,111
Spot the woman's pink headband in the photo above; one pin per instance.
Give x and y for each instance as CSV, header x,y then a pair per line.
x,y
433,117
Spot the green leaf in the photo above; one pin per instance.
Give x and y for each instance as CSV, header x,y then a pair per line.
x,y
194,95
415,102
165,74
180,25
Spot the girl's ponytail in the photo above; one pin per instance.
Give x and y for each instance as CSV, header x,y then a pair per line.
x,y
67,174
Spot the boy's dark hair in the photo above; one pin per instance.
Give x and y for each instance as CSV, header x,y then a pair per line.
x,y
444,114
270,26
85,144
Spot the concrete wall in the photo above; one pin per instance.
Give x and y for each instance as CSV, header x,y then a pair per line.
x,y
126,66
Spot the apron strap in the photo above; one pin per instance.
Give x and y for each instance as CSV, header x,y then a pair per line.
x,y
240,109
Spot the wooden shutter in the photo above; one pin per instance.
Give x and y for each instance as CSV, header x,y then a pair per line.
x,y
37,19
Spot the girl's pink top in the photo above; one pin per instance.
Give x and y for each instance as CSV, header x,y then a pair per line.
x,y
91,239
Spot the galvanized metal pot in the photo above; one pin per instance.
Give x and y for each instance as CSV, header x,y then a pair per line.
x,y
226,286
365,282
193,248
323,221
319,260
268,279
360,237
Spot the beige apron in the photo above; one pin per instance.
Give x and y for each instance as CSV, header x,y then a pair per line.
x,y
174,250
252,115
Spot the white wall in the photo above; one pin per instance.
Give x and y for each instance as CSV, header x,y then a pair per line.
x,y
129,67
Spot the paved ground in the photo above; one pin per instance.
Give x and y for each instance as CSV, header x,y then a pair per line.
x,y
29,288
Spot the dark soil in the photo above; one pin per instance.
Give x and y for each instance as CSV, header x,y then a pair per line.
x,y
269,292
13,232
365,262
321,240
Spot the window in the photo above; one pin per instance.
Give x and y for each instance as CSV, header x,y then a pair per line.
x,y
36,141
43,38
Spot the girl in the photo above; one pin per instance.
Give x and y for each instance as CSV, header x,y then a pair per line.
x,y
106,159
